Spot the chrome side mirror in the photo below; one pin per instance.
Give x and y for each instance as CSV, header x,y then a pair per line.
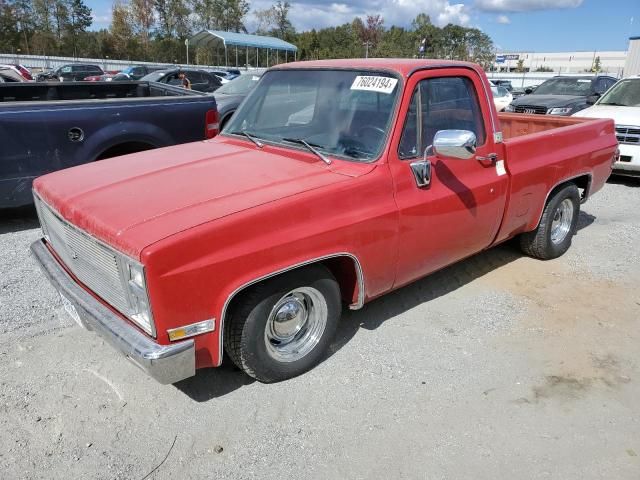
x,y
460,144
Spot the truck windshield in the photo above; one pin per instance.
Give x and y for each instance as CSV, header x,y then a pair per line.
x,y
344,113
565,86
624,94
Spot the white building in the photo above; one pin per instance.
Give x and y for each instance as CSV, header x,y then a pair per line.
x,y
632,65
612,62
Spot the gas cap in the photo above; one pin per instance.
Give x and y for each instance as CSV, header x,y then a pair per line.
x,y
75,134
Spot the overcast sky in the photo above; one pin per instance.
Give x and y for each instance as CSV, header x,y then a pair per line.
x,y
537,25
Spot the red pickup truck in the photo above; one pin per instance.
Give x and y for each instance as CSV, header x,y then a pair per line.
x,y
335,182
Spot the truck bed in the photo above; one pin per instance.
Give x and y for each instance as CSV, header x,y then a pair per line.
x,y
51,126
519,124
541,151
99,91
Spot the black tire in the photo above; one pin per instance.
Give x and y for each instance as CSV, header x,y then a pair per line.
x,y
538,243
245,326
225,120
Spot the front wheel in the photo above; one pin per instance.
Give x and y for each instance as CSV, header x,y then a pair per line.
x,y
557,226
282,328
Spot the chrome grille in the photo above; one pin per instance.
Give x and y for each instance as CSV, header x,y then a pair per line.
x,y
94,264
531,109
628,134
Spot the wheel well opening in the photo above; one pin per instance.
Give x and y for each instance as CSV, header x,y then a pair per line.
x,y
225,120
583,183
344,270
124,149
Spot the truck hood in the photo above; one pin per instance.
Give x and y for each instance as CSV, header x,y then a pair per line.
x,y
620,115
549,101
133,201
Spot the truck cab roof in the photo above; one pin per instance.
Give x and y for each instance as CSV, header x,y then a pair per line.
x,y
403,66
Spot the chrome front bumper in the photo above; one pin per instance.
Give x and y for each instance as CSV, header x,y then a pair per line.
x,y
165,363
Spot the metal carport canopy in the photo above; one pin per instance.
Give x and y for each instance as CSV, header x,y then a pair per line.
x,y
207,37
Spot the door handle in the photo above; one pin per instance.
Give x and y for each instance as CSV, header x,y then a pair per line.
x,y
492,157
421,172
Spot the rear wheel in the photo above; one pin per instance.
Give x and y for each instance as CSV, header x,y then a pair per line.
x,y
282,328
557,226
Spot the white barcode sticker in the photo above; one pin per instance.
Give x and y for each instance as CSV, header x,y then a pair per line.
x,y
374,84
500,170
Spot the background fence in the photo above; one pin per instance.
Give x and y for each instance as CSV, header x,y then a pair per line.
x,y
39,62
518,80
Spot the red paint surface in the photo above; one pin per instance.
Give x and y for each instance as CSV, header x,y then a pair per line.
x,y
208,217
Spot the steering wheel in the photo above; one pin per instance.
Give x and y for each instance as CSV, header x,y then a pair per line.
x,y
353,147
370,128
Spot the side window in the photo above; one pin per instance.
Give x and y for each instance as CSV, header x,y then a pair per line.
x,y
195,77
447,103
450,103
608,83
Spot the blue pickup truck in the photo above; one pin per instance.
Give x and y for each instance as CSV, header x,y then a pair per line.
x,y
51,126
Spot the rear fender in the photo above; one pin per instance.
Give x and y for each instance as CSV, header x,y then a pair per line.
x,y
124,132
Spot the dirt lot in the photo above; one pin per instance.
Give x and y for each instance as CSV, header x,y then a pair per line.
x,y
498,367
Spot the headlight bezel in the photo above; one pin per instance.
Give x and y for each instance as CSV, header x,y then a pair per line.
x,y
559,111
134,282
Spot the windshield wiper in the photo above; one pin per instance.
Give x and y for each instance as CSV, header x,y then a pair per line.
x,y
255,140
310,147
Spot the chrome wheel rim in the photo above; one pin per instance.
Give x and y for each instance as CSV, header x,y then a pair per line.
x,y
296,324
561,223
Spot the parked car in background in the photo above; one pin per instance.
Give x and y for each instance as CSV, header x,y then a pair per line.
x,y
200,80
10,75
252,242
502,83
233,73
223,75
74,72
518,92
501,97
231,94
136,72
622,104
50,126
563,95
23,71
106,77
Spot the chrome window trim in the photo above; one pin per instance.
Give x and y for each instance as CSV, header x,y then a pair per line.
x,y
354,306
565,180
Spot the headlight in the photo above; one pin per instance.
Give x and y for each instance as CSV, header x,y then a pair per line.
x,y
509,108
136,287
560,111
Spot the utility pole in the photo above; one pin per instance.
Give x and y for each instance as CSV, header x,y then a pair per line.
x,y
186,42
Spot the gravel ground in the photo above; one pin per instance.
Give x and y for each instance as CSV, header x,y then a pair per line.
x,y
498,367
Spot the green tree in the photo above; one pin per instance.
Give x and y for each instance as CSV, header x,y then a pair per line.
x,y
121,29
284,28
80,20
142,14
275,21
597,66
